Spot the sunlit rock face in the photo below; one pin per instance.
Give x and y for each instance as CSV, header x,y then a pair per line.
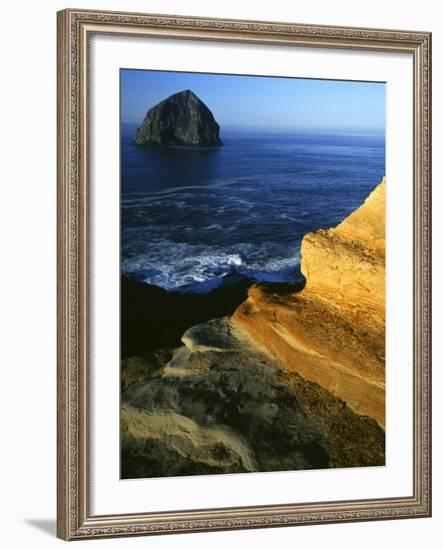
x,y
350,258
333,331
293,380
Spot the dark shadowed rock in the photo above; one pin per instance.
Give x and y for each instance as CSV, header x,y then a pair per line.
x,y
152,318
182,119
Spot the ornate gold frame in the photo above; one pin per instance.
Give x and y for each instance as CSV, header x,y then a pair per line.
x,y
75,27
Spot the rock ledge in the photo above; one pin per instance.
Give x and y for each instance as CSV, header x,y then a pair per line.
x,y
333,331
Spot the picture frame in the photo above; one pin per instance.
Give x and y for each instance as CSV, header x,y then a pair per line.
x,y
75,517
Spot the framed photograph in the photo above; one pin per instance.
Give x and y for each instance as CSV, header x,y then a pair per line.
x,y
243,274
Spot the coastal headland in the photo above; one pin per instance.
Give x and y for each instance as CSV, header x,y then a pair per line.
x,y
262,377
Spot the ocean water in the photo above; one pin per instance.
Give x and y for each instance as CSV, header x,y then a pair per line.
x,y
191,217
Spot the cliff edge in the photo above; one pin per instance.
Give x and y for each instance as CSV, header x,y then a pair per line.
x,y
333,331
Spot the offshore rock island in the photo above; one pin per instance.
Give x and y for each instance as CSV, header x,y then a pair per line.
x,y
180,120
282,376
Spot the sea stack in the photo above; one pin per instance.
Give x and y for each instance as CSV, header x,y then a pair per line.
x,y
182,119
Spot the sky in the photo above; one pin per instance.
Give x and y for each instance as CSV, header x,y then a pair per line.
x,y
257,102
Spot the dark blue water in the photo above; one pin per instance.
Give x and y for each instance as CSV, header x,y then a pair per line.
x,y
190,217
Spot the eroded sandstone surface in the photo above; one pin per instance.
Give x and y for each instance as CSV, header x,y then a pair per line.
x,y
294,379
333,331
221,404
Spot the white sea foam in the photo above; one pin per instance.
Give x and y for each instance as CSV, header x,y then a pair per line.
x,y
176,265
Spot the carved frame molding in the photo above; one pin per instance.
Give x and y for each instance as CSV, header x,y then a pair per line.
x,y
75,28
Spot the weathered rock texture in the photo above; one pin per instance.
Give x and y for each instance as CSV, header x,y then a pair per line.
x,y
333,331
293,380
181,119
222,405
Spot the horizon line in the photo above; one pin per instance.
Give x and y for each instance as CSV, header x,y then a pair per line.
x,y
286,129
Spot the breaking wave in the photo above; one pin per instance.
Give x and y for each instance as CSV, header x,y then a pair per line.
x,y
198,268
191,218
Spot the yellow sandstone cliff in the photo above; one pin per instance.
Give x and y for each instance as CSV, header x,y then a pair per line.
x,y
333,331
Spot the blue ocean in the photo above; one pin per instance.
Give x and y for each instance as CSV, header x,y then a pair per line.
x,y
190,217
